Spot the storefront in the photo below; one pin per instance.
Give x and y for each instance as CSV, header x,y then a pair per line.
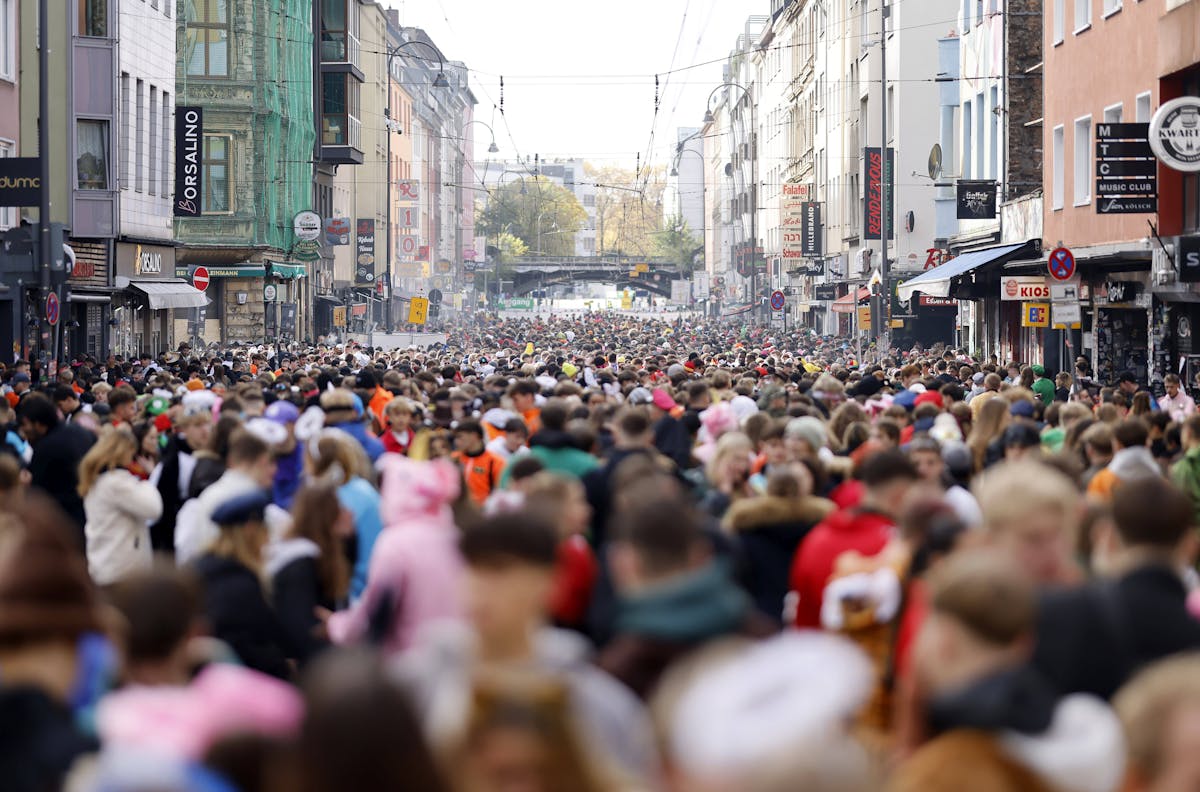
x,y
1121,328
285,298
236,310
148,295
89,309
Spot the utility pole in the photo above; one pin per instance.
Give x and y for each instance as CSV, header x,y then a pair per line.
x,y
46,332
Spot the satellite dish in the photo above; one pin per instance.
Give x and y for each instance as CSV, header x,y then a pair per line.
x,y
935,161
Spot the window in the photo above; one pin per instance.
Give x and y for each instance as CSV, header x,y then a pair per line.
x,y
215,173
1059,20
1142,108
979,149
1113,113
91,154
165,148
140,135
126,131
1060,169
1082,193
8,214
994,134
8,39
968,120
93,18
207,47
1111,7
1083,15
152,139
339,110
891,111
966,14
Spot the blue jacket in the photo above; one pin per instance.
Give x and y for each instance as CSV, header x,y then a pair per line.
x,y
371,444
358,497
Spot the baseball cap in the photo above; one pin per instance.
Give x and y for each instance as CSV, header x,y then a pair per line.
x,y
662,400
21,377
640,396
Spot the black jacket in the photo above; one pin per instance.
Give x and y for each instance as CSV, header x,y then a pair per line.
x,y
1093,639
673,441
55,468
239,615
39,742
296,593
162,533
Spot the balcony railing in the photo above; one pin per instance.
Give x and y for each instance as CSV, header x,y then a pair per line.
x,y
340,47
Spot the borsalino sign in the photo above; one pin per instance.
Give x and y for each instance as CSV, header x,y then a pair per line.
x,y
20,181
189,140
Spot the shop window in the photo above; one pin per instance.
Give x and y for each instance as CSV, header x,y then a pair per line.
x,y
93,18
91,158
207,47
215,173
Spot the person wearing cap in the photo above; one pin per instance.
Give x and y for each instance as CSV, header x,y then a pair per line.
x,y
1043,386
21,383
48,611
1127,383
231,570
344,410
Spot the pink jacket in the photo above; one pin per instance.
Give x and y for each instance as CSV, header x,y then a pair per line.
x,y
416,572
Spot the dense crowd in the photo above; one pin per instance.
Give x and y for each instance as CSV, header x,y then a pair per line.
x,y
596,553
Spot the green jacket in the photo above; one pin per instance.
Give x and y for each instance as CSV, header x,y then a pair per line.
x,y
571,461
1186,475
1044,387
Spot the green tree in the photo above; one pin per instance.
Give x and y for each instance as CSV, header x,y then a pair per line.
x,y
627,209
535,211
677,243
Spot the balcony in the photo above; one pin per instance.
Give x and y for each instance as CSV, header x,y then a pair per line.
x,y
340,49
341,129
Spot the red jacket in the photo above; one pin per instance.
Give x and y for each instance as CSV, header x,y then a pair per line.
x,y
574,577
864,532
392,445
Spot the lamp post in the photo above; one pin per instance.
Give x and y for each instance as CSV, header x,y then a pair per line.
x,y
708,119
392,126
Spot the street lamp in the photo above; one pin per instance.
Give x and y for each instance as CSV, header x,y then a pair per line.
x,y
492,147
708,119
439,81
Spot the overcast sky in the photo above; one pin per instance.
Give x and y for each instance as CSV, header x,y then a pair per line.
x,y
579,76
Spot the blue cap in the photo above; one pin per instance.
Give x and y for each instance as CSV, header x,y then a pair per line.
x,y
282,412
1022,408
241,509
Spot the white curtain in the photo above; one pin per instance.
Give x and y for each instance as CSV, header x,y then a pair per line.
x,y
92,153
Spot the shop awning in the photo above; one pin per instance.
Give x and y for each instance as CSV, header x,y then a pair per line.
x,y
846,304
329,298
936,282
289,270
170,294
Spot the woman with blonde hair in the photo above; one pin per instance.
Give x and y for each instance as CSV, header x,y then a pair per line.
x,y
987,431
119,508
728,473
337,459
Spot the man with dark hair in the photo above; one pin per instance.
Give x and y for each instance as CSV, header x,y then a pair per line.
x,y
555,447
67,402
510,560
57,450
1091,640
523,394
865,529
1132,460
673,597
481,468
123,404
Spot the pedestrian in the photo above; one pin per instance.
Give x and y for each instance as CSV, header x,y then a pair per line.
x,y
481,469
58,449
1131,461
1042,385
335,458
119,507
1159,709
1176,402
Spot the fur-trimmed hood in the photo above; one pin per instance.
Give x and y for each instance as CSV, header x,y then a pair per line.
x,y
769,510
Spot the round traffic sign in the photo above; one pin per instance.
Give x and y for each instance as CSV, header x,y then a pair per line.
x,y
777,300
52,308
200,278
1061,264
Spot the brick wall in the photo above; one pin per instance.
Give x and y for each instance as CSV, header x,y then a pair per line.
x,y
1024,146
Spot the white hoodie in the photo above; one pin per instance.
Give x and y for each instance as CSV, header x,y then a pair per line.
x,y
1082,751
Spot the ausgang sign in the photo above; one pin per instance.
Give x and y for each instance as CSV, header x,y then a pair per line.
x,y
20,181
1023,288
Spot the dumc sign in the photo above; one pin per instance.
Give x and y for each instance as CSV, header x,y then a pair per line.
x,y
20,181
1024,288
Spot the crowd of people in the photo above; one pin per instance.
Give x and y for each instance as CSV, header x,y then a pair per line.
x,y
596,553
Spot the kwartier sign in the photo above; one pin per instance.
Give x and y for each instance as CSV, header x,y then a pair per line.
x,y
189,141
1175,134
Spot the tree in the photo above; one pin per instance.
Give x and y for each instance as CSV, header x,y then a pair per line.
x,y
545,217
677,243
627,211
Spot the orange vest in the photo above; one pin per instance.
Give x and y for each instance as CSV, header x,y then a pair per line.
x,y
481,474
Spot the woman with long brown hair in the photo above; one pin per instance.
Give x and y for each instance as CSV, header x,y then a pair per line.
x,y
988,428
308,568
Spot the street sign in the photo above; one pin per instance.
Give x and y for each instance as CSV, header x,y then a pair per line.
x,y
200,278
1064,292
269,292
52,308
1065,314
1061,264
1035,315
777,300
418,309
435,296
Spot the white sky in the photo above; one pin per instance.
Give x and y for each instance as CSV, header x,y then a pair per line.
x,y
579,76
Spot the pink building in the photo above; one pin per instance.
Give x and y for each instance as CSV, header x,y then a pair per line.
x,y
10,115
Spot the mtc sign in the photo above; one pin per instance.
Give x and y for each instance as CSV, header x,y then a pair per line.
x,y
1024,289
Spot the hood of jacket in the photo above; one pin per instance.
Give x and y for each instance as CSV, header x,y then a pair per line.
x,y
550,438
1082,749
1134,463
776,512
692,607
1017,700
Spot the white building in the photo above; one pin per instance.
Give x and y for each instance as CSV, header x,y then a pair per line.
x,y
684,195
566,173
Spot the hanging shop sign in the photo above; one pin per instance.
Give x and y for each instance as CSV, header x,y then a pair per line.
x,y
1126,170
1023,288
875,173
307,226
976,200
825,291
1175,134
791,222
1035,315
364,270
337,231
1121,291
813,242
1188,253
306,250
189,139
20,181
926,301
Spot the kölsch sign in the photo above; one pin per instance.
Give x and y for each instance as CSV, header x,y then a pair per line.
x,y
189,142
